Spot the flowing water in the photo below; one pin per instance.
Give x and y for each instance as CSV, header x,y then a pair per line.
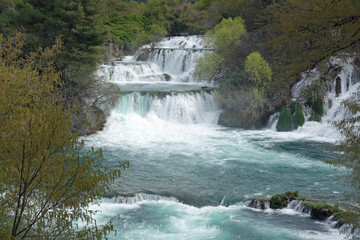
x,y
192,179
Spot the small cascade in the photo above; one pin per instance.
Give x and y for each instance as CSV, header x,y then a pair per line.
x,y
179,107
342,88
156,87
141,197
123,72
298,206
340,82
177,61
262,204
177,56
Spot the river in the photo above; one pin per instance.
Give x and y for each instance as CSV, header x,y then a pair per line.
x,y
190,178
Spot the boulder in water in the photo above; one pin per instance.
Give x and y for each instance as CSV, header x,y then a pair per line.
x,y
318,107
315,117
279,201
285,122
144,55
298,117
262,204
167,77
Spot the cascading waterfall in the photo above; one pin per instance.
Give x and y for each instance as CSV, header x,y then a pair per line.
x,y
198,107
190,178
344,87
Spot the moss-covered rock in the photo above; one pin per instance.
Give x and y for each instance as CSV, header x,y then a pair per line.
x,y
153,93
322,211
284,124
318,107
315,117
292,107
278,201
298,118
281,200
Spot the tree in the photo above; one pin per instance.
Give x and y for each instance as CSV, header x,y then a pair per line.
x,y
47,177
259,70
77,22
226,35
304,33
223,38
350,155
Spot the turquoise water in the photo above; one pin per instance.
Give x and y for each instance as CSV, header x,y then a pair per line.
x,y
194,181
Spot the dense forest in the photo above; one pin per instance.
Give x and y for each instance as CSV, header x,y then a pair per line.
x,y
260,49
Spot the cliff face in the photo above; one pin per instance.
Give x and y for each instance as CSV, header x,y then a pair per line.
x,y
243,110
320,92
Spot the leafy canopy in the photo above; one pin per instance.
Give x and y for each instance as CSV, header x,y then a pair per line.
x,y
259,70
226,35
306,32
47,179
223,38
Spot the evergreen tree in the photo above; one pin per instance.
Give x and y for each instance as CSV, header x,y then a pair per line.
x,y
77,22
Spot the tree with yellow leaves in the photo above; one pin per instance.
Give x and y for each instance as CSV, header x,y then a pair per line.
x,y
47,178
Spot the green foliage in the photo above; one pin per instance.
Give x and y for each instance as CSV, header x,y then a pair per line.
x,y
77,22
284,122
350,157
47,177
222,39
226,35
259,70
208,65
313,94
321,211
292,107
132,24
318,107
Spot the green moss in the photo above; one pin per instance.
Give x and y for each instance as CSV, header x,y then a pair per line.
x,y
278,201
298,119
281,200
318,107
284,123
322,211
315,117
153,93
292,107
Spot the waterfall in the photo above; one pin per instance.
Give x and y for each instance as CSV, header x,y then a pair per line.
x,y
342,87
158,86
341,79
180,107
